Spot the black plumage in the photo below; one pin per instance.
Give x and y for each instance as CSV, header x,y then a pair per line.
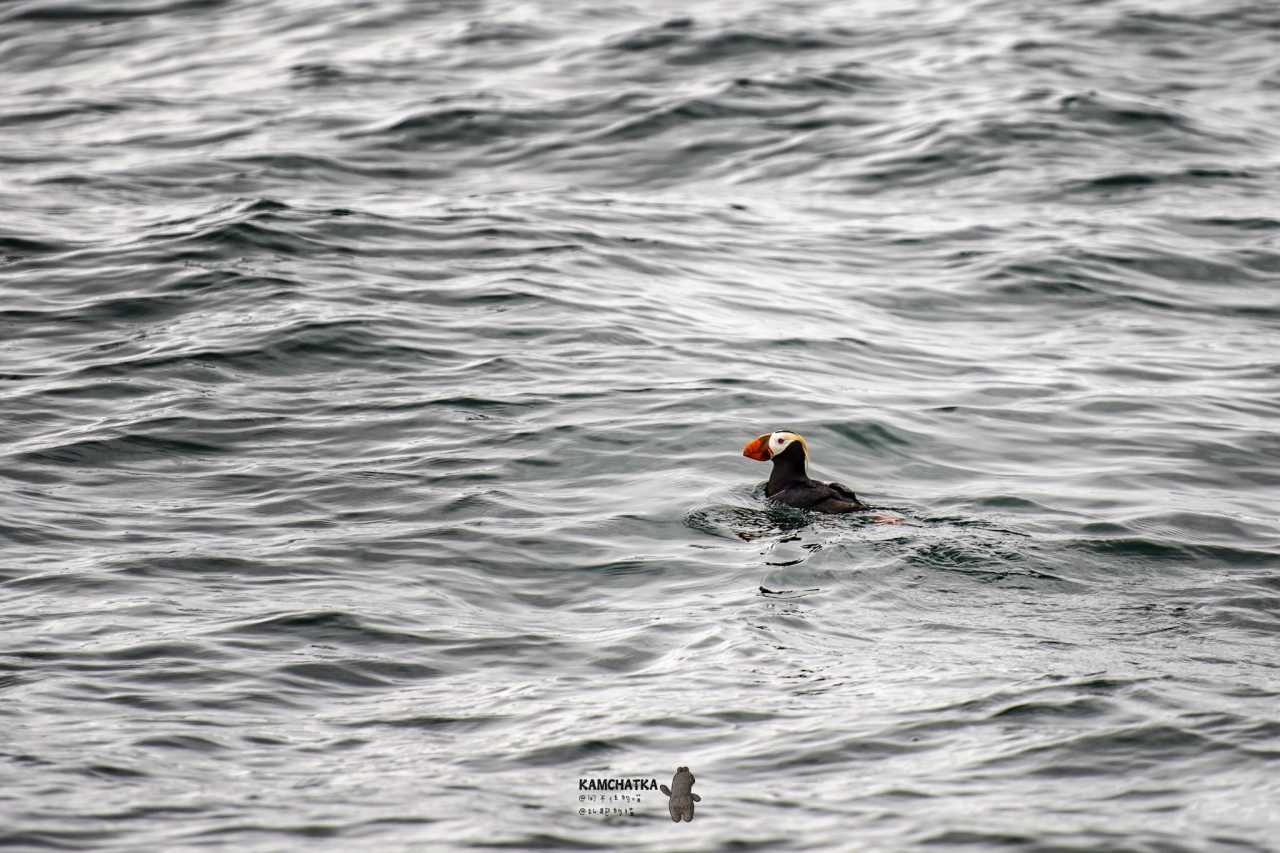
x,y
790,483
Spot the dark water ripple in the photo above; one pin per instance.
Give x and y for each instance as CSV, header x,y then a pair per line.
x,y
373,378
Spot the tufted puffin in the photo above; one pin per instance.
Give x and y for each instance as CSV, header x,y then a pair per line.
x,y
788,482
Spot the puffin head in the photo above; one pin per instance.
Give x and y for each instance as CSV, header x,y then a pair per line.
x,y
771,444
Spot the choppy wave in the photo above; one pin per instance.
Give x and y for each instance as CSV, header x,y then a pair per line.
x,y
374,379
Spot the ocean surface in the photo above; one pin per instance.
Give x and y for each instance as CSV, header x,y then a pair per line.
x,y
374,379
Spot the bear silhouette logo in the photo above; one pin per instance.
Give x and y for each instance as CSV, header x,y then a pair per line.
x,y
682,796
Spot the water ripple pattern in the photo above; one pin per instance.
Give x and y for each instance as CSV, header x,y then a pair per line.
x,y
374,377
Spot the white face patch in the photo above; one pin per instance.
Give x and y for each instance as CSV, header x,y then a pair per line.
x,y
780,441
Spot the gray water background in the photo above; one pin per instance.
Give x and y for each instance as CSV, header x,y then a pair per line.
x,y
373,379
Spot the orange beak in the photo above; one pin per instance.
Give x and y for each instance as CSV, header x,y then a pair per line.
x,y
758,448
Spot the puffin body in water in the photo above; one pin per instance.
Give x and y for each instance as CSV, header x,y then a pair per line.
x,y
790,484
